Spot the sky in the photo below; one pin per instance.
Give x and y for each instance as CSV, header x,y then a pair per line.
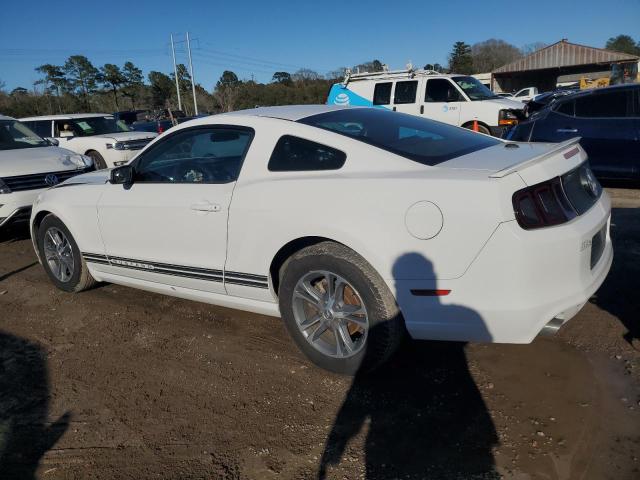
x,y
256,38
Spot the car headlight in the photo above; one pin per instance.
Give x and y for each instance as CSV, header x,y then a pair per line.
x,y
118,145
507,117
81,161
3,187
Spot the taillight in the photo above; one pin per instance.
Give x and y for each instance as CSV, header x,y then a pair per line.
x,y
160,129
542,205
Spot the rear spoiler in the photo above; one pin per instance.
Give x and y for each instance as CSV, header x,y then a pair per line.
x,y
532,161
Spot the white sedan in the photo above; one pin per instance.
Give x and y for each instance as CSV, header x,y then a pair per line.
x,y
355,225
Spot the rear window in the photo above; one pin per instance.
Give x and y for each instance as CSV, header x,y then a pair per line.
x,y
418,139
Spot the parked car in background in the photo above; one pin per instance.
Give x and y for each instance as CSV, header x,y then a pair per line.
x,y
459,100
157,126
524,95
229,210
98,135
607,120
28,165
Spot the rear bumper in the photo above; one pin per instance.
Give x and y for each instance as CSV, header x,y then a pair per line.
x,y
518,283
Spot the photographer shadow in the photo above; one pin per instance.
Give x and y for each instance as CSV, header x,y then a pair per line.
x,y
424,414
25,431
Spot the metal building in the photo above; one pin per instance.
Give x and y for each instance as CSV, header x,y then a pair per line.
x,y
543,67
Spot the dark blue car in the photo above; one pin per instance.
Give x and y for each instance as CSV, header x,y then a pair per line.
x,y
607,120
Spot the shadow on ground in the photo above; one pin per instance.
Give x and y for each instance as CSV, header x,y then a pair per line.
x,y
619,294
25,431
424,415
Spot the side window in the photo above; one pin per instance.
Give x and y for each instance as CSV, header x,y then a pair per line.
x,y
441,90
195,155
566,108
41,128
522,93
293,154
382,93
602,105
405,92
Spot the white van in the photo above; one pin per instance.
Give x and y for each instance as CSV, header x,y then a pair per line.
x,y
455,99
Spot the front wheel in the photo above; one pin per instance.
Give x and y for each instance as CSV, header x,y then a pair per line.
x,y
61,256
98,161
338,309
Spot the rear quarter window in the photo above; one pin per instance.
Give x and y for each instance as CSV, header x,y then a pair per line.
x,y
294,154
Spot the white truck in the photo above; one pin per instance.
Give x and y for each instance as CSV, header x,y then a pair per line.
x,y
524,95
459,100
98,135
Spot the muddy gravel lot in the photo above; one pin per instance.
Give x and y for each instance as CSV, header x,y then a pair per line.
x,y
116,383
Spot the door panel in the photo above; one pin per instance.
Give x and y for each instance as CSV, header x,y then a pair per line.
x,y
405,95
167,227
170,224
441,101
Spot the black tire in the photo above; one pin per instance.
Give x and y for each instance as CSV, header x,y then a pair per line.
x,y
481,128
98,161
80,279
386,325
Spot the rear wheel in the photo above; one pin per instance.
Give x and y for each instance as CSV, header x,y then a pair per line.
x,y
338,309
98,161
61,257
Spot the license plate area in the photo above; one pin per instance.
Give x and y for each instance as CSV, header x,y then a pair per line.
x,y
597,245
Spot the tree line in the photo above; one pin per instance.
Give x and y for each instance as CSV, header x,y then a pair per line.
x,y
79,86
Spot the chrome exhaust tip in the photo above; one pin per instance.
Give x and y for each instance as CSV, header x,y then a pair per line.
x,y
552,327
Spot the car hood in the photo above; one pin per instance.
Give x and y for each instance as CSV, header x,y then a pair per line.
x,y
27,161
128,136
97,177
499,157
507,103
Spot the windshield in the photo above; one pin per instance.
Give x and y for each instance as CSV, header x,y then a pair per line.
x,y
85,127
474,89
425,141
15,135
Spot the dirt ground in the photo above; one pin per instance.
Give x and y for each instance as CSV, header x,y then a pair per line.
x,y
118,383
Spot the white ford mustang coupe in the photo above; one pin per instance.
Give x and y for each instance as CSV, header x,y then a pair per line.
x,y
355,225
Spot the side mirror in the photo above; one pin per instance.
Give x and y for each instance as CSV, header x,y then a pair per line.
x,y
122,175
52,141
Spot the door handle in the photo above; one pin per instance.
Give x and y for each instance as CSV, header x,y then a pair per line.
x,y
567,130
421,109
205,207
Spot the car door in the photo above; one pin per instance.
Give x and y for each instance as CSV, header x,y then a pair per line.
x,y
442,101
170,225
605,123
404,96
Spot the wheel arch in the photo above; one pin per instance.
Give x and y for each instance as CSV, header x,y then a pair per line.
x,y
469,124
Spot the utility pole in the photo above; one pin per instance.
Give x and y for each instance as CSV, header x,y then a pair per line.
x,y
193,80
175,72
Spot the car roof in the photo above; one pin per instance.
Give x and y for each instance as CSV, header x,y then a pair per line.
x,y
4,117
70,116
592,91
288,112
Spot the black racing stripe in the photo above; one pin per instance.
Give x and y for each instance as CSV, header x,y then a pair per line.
x,y
247,276
168,266
95,260
246,283
235,278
